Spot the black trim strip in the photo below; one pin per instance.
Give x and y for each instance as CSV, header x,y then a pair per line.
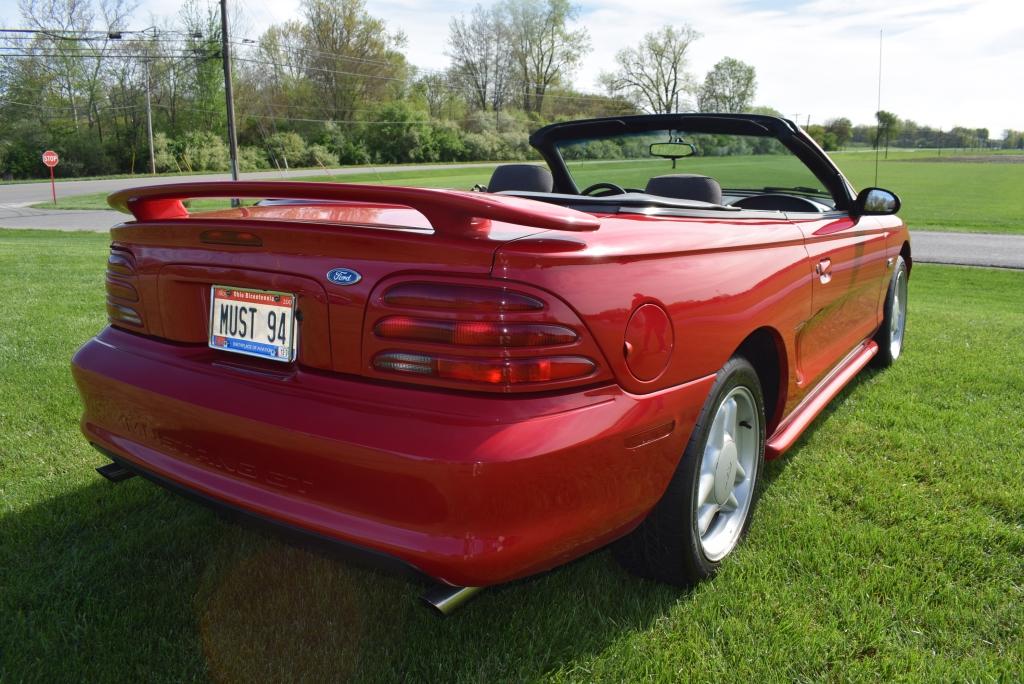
x,y
358,555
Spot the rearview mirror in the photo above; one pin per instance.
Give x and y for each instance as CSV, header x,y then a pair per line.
x,y
876,202
672,150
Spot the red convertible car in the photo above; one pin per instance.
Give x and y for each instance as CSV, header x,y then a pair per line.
x,y
480,386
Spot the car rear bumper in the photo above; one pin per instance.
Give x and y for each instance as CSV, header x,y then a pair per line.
x,y
471,490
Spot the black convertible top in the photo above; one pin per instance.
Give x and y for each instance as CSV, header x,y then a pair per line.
x,y
545,140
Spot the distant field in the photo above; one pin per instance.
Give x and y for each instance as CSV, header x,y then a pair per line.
x,y
888,545
953,192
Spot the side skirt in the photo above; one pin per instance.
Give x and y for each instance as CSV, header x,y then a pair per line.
x,y
817,399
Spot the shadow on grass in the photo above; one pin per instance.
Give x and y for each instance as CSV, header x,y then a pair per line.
x,y
164,589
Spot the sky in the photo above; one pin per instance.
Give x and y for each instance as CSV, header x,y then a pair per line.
x,y
944,62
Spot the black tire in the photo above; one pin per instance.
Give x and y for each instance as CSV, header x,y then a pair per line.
x,y
889,349
667,545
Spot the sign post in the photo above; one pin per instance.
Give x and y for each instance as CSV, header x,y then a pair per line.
x,y
51,159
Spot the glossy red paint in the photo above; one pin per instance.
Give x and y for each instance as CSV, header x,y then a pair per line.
x,y
472,486
448,211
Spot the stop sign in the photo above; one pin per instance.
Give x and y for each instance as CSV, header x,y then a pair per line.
x,y
50,158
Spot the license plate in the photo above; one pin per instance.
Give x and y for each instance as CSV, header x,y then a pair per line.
x,y
253,322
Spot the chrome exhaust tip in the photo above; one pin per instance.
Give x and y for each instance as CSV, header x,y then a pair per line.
x,y
447,599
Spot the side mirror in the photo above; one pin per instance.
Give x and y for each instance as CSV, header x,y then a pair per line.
x,y
876,202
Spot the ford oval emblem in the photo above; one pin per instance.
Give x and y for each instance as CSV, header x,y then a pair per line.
x,y
343,276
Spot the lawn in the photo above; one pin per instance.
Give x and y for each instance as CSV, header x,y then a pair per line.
x,y
938,192
888,544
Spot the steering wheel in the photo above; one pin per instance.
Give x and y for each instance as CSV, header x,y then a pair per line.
x,y
610,188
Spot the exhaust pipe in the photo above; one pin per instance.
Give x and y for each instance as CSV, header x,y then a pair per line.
x,y
115,472
447,599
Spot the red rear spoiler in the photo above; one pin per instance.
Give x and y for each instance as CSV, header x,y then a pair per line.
x,y
449,212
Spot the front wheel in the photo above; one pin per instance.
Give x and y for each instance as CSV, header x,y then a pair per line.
x,y
707,507
894,318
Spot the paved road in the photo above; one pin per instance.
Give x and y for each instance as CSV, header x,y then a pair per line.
x,y
969,249
22,194
58,219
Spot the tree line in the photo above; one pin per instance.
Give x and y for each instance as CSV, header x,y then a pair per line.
x,y
334,86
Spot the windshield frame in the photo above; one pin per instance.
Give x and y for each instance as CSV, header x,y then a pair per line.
x,y
546,140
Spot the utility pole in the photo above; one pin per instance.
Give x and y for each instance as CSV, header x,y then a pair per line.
x,y
228,93
149,122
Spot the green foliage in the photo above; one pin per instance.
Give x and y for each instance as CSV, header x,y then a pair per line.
x,y
202,151
288,148
164,154
729,87
252,158
321,155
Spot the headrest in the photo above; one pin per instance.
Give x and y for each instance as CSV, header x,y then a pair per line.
x,y
523,177
686,186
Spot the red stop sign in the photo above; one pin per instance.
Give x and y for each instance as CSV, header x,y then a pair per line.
x,y
50,158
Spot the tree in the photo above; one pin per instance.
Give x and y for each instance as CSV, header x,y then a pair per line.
x,y
544,49
482,56
349,56
888,126
654,74
841,130
728,87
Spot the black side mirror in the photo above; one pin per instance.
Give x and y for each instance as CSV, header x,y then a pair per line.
x,y
876,202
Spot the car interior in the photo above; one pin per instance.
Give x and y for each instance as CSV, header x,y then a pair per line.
x,y
670,191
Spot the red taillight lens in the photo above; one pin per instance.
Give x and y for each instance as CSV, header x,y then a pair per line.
x,y
486,371
123,305
120,314
460,298
474,333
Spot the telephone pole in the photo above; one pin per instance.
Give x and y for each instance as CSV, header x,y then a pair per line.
x,y
149,123
228,93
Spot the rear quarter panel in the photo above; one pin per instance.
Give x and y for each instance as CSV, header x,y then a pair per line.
x,y
718,280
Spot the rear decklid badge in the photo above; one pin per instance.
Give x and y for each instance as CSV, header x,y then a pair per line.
x,y
343,276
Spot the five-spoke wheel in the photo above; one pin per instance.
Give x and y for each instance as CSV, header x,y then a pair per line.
x,y
728,471
708,504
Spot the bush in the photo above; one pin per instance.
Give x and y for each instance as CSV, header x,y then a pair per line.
x,y
252,158
400,134
202,151
320,155
288,148
163,152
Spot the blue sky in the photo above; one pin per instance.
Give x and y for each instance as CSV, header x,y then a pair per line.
x,y
945,62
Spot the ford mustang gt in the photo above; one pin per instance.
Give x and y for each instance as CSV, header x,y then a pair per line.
x,y
477,386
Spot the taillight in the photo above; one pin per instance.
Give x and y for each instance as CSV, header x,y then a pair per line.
x,y
474,333
487,371
478,336
460,297
122,293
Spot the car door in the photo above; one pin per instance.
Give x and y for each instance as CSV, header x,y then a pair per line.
x,y
847,258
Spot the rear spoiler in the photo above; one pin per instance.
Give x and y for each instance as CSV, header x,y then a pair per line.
x,y
449,212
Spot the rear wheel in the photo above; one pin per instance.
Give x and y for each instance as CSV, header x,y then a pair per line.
x,y
894,318
707,507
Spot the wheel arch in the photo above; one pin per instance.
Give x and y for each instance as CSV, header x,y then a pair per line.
x,y
905,253
765,349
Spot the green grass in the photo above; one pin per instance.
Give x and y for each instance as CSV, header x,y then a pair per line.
x,y
937,192
889,544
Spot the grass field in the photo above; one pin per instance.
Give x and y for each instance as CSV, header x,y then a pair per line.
x,y
938,193
888,544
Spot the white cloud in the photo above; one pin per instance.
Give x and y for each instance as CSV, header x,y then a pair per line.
x,y
945,62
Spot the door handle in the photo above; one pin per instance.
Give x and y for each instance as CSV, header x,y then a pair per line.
x,y
824,270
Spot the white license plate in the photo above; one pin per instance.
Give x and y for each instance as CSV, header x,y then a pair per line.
x,y
253,322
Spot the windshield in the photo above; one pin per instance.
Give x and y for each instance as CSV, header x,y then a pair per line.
x,y
737,162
